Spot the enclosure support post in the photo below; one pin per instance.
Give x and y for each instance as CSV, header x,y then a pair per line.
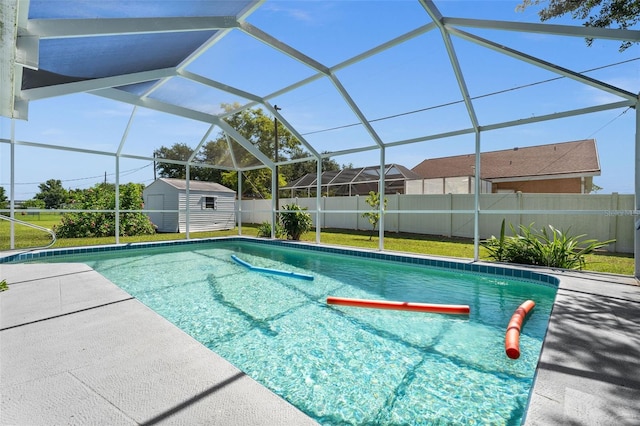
x,y
636,250
117,200
476,202
274,207
125,135
381,192
276,192
318,199
186,203
239,213
12,206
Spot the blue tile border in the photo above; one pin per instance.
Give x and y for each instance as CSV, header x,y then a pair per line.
x,y
472,267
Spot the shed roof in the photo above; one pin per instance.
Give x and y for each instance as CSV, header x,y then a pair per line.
x,y
577,158
196,185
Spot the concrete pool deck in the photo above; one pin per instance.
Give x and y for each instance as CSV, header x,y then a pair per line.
x,y
76,349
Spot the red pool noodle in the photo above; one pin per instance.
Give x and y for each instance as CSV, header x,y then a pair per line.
x,y
402,306
512,337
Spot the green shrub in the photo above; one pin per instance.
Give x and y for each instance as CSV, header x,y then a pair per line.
x,y
3,285
553,247
264,230
295,221
102,197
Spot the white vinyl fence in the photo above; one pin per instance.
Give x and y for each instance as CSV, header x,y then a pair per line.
x,y
600,217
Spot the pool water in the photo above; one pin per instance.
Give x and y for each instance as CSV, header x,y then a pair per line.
x,y
338,364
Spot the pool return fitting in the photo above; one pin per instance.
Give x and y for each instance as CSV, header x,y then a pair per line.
x,y
512,337
272,271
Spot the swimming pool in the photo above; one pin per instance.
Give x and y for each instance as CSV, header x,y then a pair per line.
x,y
344,365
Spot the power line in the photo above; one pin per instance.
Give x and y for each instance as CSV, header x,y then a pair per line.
x,y
124,173
499,92
609,122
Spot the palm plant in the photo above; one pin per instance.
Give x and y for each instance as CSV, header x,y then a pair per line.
x,y
295,221
553,248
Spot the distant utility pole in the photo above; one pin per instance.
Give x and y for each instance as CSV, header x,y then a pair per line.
x,y
275,157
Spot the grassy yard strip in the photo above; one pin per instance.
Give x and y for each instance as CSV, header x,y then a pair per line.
x,y
616,263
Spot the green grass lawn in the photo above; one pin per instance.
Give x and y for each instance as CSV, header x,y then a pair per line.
x,y
616,263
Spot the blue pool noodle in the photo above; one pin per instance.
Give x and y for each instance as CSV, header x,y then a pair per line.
x,y
271,271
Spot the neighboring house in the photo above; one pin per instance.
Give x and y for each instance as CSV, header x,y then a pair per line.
x,y
567,167
356,181
211,205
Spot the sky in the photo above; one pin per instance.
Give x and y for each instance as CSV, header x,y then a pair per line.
x,y
406,92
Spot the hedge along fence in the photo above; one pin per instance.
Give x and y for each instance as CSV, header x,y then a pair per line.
x,y
599,216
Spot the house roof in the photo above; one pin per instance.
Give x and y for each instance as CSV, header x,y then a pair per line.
x,y
577,158
196,185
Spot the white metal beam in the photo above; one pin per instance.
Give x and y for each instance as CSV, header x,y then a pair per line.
x,y
385,46
244,142
217,85
125,134
552,29
545,65
126,97
113,154
349,151
28,51
435,14
219,35
68,28
356,110
203,140
558,115
398,40
514,123
292,129
95,84
280,46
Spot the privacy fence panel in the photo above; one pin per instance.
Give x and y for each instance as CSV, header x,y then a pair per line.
x,y
420,223
601,217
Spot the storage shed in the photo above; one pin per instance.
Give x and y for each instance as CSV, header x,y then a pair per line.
x,y
211,205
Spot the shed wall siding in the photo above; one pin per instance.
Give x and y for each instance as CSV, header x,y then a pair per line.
x,y
201,219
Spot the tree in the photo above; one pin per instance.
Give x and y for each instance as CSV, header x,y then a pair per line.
x,y
178,151
622,14
33,204
374,216
3,198
259,130
102,197
255,183
183,152
53,194
595,188
297,170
